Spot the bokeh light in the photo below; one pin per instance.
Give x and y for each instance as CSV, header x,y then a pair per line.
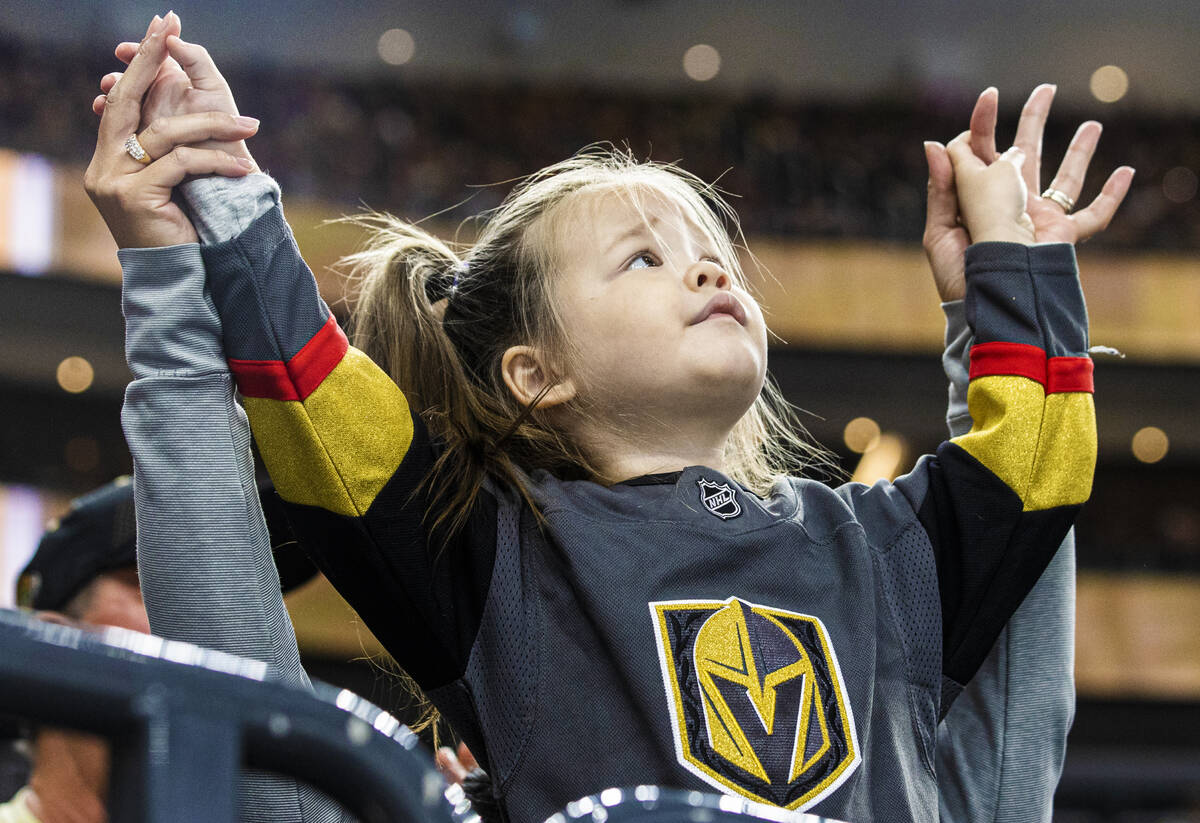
x,y
1109,84
701,62
861,434
1179,185
75,375
396,47
1150,444
883,461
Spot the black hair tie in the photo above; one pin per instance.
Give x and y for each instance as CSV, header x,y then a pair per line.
x,y
444,286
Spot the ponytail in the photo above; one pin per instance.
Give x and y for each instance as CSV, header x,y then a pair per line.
x,y
438,326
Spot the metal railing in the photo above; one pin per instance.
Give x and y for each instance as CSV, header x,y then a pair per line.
x,y
182,722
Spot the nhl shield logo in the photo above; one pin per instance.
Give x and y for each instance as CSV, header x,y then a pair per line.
x,y
757,702
719,499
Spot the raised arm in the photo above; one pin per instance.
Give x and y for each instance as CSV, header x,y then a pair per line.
x,y
204,555
347,454
1000,749
993,503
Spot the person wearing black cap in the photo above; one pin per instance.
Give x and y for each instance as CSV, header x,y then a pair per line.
x,y
84,573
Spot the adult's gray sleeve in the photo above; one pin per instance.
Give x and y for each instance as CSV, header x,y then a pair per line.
x,y
204,555
221,208
1000,748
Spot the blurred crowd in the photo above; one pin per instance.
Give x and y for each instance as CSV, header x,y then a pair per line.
x,y
806,169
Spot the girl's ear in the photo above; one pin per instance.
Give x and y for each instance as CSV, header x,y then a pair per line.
x,y
526,377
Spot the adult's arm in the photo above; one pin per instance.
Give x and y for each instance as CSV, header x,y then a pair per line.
x,y
1000,748
204,555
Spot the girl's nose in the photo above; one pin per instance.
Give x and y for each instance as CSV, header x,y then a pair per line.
x,y
708,273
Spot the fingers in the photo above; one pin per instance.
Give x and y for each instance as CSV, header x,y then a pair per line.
x,y
106,84
174,26
961,155
1029,132
165,133
1071,173
169,170
122,109
195,60
467,759
125,51
449,766
941,207
983,124
1095,218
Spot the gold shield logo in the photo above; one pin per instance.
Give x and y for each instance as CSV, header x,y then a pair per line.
x,y
757,702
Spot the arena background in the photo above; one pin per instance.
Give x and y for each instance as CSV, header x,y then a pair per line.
x,y
812,116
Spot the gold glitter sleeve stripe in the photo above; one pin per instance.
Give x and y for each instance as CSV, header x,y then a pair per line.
x,y
1042,446
337,448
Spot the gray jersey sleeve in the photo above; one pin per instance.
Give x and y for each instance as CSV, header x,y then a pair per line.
x,y
1000,749
204,555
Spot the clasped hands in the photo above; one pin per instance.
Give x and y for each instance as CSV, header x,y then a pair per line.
x,y
173,98
956,168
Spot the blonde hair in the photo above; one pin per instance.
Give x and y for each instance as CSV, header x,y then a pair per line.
x,y
445,354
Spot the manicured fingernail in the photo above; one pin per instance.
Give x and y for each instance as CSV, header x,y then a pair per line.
x,y
157,25
245,164
246,122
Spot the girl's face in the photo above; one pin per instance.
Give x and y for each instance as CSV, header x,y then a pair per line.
x,y
655,322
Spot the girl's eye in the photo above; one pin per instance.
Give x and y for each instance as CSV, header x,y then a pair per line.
x,y
643,260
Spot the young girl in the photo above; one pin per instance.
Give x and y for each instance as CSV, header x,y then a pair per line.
x,y
569,527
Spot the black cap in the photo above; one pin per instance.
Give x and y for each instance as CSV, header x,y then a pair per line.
x,y
99,534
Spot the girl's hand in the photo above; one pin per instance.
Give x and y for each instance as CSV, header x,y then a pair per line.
x,y
945,238
135,199
991,198
188,82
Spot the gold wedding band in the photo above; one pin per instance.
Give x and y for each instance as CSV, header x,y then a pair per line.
x,y
135,150
1061,199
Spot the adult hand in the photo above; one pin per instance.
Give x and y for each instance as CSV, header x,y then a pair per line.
x,y
188,82
135,199
946,239
1053,223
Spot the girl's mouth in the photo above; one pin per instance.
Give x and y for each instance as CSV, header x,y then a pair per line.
x,y
722,303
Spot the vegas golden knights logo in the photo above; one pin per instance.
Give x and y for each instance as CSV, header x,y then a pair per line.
x,y
757,703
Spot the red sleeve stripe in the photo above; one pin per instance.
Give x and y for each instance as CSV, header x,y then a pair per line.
x,y
1069,374
263,378
301,375
1019,359
313,363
